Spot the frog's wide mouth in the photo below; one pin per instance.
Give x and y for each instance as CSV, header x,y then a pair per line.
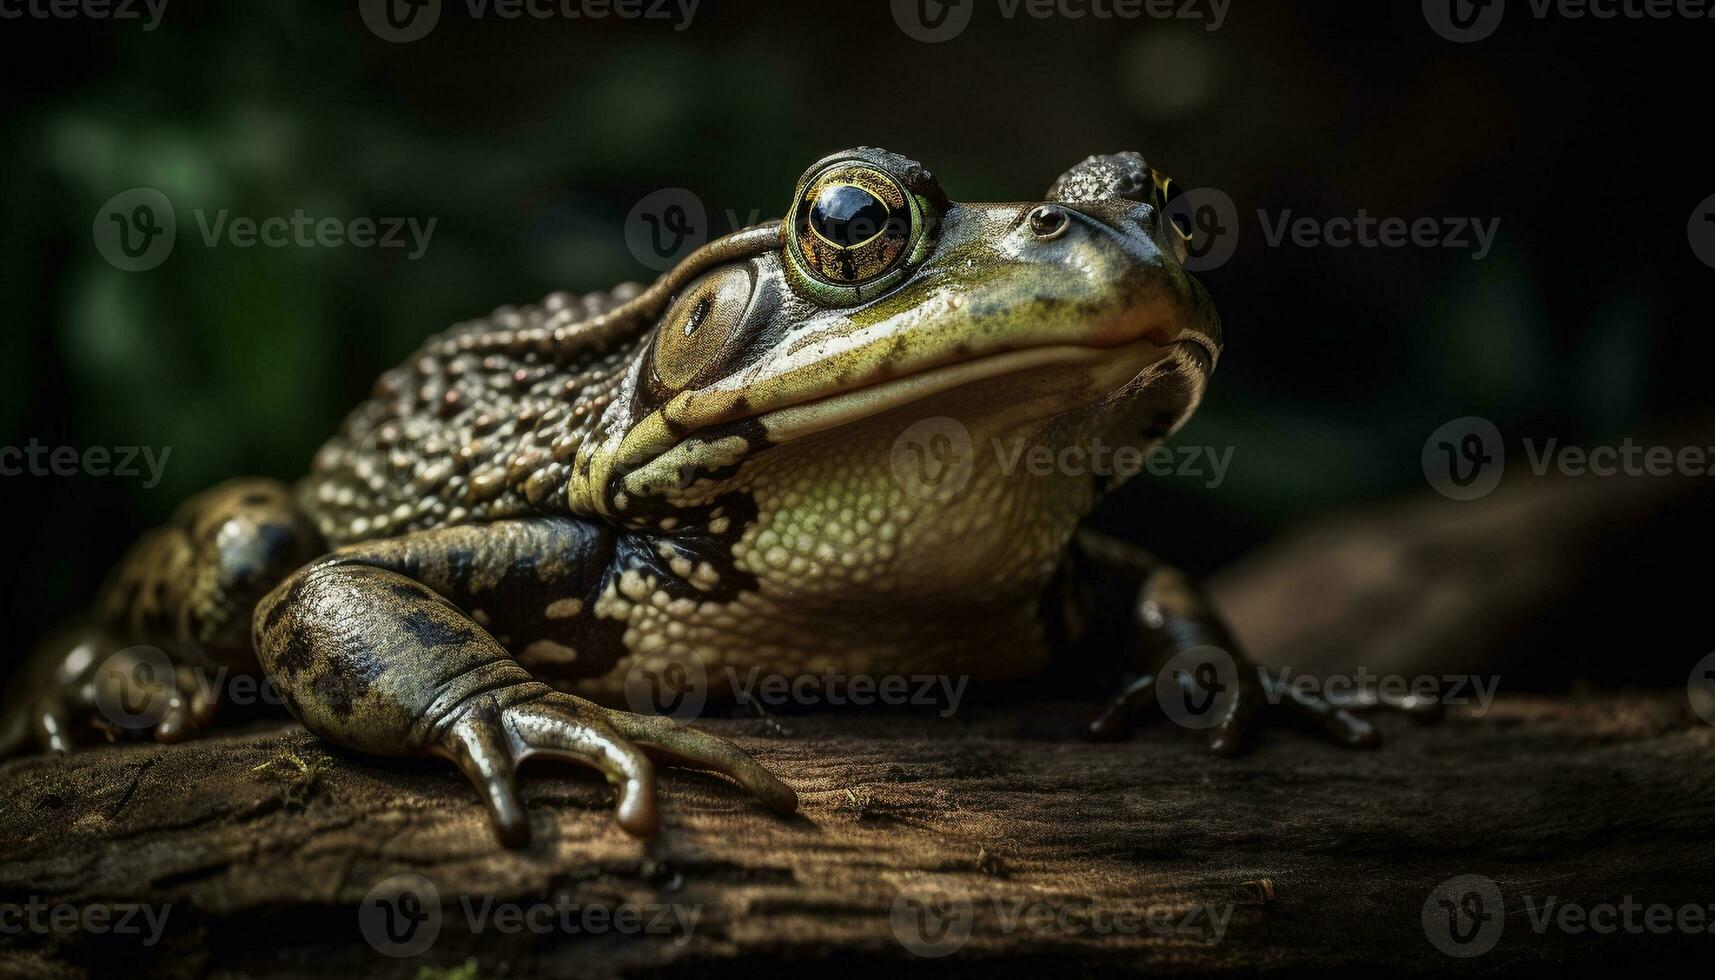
x,y
1102,370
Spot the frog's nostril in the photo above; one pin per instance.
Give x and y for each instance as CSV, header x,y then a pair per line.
x,y
1047,221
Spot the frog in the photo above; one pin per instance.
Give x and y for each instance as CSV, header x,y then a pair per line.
x,y
742,466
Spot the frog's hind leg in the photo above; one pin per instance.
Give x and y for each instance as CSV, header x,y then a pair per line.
x,y
179,601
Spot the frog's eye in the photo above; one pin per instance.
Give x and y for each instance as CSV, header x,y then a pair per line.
x,y
700,326
852,225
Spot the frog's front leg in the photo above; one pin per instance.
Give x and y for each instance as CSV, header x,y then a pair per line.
x,y
1155,616
372,648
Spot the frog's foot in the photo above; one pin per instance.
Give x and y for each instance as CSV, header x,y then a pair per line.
x,y
85,680
379,662
492,738
1226,700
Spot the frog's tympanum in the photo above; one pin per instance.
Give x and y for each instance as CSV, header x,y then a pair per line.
x,y
720,471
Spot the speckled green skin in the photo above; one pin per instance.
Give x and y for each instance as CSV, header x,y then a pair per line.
x,y
526,510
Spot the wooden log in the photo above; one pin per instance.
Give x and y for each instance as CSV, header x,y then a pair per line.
x,y
1057,854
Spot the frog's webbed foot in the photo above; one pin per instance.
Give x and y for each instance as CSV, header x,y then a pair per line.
x,y
1192,668
489,741
1231,705
84,680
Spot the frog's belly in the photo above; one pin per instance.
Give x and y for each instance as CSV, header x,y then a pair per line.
x,y
731,647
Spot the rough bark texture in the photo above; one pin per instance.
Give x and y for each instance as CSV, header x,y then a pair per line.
x,y
266,842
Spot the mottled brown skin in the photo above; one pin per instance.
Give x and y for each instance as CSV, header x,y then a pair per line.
x,y
540,504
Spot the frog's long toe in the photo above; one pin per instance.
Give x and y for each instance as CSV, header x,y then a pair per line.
x,y
489,742
1336,722
670,742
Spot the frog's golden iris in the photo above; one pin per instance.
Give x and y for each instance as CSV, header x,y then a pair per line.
x,y
852,224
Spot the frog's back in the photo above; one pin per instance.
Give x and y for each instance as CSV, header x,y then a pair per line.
x,y
484,421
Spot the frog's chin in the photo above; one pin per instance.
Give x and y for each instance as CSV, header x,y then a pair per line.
x,y
1019,387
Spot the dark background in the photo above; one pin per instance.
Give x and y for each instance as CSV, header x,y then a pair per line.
x,y
530,141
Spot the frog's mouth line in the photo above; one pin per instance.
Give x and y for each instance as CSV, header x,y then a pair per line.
x,y
1114,366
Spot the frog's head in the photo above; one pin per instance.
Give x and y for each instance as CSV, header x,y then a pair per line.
x,y
878,298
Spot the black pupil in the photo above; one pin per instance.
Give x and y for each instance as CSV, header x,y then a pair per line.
x,y
848,215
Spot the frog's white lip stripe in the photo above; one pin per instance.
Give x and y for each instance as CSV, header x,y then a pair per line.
x,y
819,415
